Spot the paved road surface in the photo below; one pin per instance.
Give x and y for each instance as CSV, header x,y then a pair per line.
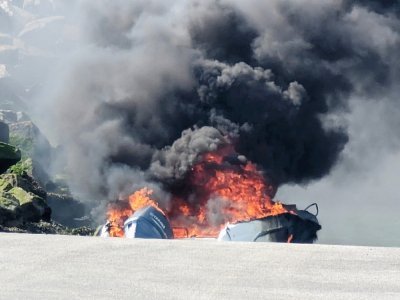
x,y
63,267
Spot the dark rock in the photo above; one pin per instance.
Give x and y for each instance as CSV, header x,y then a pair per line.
x,y
47,228
4,133
32,169
9,156
24,181
67,211
85,230
25,135
30,139
9,210
32,207
22,200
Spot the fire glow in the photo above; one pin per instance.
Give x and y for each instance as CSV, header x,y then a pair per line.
x,y
222,189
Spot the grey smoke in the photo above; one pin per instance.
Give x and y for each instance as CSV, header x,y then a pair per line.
x,y
174,162
140,88
152,71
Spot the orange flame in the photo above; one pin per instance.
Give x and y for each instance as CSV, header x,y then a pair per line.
x,y
225,193
141,198
117,213
220,192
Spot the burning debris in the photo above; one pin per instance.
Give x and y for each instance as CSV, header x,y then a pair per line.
x,y
291,227
120,211
299,226
221,189
212,105
197,110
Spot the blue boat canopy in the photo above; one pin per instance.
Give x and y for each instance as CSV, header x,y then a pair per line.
x,y
148,223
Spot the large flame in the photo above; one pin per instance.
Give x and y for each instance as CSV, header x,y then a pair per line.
x,y
220,188
118,213
224,191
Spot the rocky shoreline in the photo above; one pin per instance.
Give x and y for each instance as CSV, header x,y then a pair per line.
x,y
31,201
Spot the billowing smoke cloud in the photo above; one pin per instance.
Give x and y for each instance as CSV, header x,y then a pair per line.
x,y
382,7
155,83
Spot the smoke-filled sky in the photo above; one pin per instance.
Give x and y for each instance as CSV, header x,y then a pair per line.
x,y
135,90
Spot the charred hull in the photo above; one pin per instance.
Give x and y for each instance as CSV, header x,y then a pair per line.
x,y
287,227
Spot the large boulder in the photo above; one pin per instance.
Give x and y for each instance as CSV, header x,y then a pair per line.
x,y
9,155
67,211
32,207
9,210
33,169
25,135
21,201
24,208
24,181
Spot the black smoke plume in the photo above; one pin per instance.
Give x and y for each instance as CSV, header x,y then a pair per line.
x,y
156,83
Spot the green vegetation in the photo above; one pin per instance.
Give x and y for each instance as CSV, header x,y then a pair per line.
x,y
21,167
7,182
23,196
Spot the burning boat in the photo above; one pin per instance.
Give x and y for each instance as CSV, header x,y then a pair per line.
x,y
148,222
223,196
299,227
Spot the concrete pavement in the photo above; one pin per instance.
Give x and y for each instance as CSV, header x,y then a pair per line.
x,y
66,267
